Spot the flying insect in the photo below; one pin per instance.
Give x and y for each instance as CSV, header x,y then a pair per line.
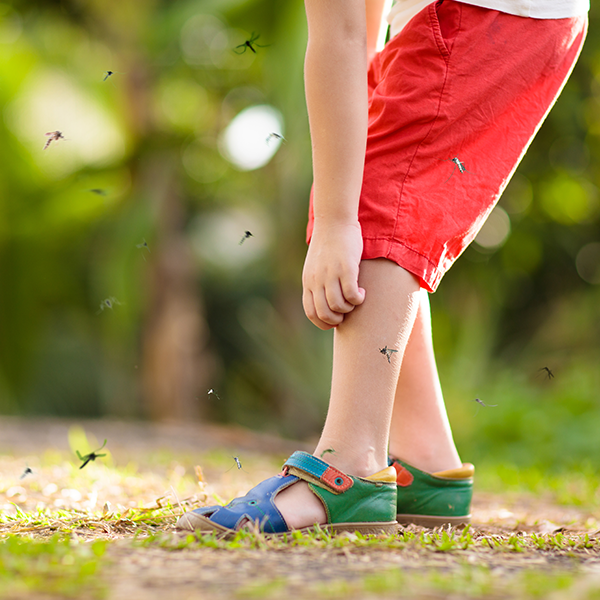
x,y
86,458
53,136
249,44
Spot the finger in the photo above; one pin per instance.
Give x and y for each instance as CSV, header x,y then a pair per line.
x,y
353,294
311,311
335,299
323,309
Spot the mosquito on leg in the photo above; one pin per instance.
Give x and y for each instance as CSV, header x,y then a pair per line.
x,y
387,352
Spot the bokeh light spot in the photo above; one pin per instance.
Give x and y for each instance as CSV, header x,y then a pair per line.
x,y
587,263
244,141
50,101
566,200
200,35
495,230
518,195
216,238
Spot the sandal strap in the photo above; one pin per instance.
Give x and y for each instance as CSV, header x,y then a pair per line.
x,y
257,506
317,471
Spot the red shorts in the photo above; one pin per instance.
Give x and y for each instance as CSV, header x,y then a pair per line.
x,y
454,101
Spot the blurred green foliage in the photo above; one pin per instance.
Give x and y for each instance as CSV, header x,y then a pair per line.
x,y
142,162
52,566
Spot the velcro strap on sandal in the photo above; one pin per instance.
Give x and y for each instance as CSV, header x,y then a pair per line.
x,y
317,471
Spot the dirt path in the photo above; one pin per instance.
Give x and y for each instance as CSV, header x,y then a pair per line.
x,y
518,545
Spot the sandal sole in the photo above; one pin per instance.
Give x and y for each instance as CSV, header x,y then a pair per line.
x,y
198,523
431,522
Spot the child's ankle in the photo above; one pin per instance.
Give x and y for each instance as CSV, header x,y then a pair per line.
x,y
350,461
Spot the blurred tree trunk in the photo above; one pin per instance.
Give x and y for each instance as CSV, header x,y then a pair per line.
x,y
175,363
174,331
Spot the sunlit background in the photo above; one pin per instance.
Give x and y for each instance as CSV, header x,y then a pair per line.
x,y
180,192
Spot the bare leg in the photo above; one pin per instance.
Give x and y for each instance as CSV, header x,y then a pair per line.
x,y
420,432
363,383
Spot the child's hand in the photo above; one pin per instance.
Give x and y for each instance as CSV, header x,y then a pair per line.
x,y
330,276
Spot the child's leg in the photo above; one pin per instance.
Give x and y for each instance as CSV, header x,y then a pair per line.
x,y
363,383
420,433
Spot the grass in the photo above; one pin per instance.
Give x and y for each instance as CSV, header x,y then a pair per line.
x,y
63,529
56,566
578,486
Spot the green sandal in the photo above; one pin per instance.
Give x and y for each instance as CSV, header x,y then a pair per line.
x,y
433,499
352,504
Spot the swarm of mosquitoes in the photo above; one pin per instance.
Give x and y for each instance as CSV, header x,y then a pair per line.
x,y
249,44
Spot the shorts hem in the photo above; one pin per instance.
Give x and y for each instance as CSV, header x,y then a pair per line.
x,y
408,258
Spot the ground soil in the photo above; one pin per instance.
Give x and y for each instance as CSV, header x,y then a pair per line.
x,y
155,572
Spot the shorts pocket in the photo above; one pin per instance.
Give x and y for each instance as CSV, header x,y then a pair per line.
x,y
445,16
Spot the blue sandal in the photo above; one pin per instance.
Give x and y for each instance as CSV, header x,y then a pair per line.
x,y
366,505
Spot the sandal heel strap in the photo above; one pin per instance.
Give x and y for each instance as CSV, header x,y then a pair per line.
x,y
317,471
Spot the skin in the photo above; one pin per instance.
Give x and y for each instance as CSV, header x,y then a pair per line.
x,y
370,303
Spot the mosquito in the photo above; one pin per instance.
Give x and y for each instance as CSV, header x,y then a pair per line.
x,y
274,136
387,352
482,403
108,74
237,463
211,391
108,303
144,244
457,163
249,44
53,136
548,371
91,456
98,192
247,234
326,451
27,471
